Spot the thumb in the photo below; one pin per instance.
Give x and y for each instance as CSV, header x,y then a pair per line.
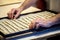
x,y
17,14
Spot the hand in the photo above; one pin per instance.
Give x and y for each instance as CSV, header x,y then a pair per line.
x,y
39,22
12,15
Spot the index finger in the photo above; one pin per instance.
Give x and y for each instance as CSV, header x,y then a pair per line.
x,y
13,13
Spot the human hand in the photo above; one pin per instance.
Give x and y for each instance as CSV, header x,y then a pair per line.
x,y
39,22
14,13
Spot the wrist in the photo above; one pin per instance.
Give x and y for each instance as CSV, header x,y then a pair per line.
x,y
20,8
58,15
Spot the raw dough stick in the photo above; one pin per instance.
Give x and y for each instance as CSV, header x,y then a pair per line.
x,y
23,21
3,29
5,26
26,20
13,26
23,24
10,26
29,18
19,24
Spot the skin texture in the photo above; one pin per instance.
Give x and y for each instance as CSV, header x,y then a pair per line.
x,y
25,5
45,23
39,21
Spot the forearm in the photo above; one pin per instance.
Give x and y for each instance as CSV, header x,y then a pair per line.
x,y
58,15
55,19
27,3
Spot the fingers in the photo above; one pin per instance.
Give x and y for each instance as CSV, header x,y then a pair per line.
x,y
17,14
32,25
11,13
35,24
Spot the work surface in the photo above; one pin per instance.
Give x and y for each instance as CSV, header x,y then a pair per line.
x,y
4,10
14,27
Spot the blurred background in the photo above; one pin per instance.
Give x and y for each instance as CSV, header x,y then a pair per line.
x,y
6,5
52,4
4,2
